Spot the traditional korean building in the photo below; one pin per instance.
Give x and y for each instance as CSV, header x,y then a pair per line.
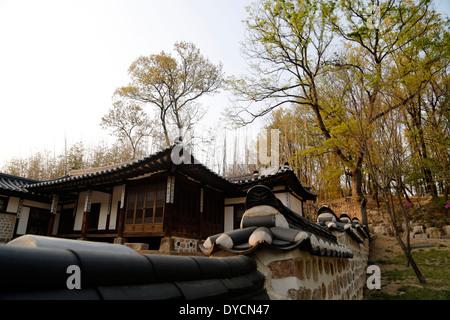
x,y
21,211
166,200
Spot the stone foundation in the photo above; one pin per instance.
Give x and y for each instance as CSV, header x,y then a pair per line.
x,y
300,275
183,245
178,245
7,223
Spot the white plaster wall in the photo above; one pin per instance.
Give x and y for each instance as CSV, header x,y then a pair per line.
x,y
13,205
283,198
97,197
296,205
228,218
25,212
79,214
117,194
290,201
103,199
22,225
7,223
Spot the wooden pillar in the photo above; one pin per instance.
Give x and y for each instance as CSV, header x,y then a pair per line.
x,y
53,210
166,243
123,207
87,210
168,219
169,206
51,223
201,214
84,225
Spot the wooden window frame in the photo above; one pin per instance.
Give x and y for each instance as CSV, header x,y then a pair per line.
x,y
136,191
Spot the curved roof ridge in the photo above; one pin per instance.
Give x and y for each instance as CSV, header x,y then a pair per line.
x,y
104,170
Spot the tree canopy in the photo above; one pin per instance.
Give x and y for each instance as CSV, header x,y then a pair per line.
x,y
173,84
347,64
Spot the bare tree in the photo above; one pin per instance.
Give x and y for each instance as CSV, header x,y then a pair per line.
x,y
130,124
173,85
385,154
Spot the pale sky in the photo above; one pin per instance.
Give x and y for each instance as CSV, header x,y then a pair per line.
x,y
60,61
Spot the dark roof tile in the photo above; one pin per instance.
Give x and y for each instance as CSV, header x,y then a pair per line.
x,y
40,273
14,183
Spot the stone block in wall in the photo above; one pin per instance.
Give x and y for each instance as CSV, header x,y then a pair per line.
x,y
300,294
282,268
418,229
184,245
120,240
7,223
436,233
315,270
446,229
383,230
298,274
299,271
166,244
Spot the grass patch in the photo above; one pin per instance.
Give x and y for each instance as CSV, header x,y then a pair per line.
x,y
412,293
434,264
416,293
396,275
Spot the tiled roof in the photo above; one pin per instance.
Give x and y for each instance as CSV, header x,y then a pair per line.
x,y
41,273
158,162
13,183
267,222
162,161
271,174
327,218
110,172
81,172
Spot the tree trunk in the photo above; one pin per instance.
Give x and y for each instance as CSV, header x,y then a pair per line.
x,y
446,190
357,193
414,111
405,216
399,239
374,190
166,133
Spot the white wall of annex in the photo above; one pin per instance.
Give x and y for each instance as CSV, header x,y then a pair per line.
x,y
228,218
22,226
103,199
97,197
116,197
80,211
13,205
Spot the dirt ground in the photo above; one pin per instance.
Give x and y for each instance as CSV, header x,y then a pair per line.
x,y
432,257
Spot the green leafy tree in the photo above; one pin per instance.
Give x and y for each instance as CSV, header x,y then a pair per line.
x,y
336,59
